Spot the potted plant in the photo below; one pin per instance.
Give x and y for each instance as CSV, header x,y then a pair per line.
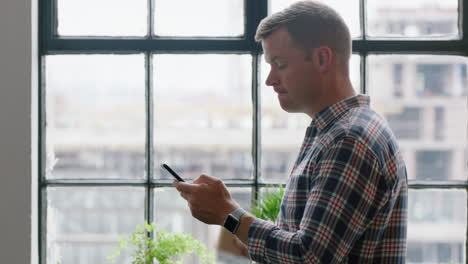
x,y
268,205
165,248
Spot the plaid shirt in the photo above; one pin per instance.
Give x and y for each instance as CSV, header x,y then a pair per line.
x,y
346,198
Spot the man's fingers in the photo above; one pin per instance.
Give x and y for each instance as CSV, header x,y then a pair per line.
x,y
184,195
184,187
205,179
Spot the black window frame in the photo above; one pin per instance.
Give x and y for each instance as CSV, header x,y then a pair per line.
x,y
254,11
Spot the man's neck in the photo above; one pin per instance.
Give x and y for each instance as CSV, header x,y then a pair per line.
x,y
334,93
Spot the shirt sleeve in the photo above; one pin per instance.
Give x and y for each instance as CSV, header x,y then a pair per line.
x,y
347,192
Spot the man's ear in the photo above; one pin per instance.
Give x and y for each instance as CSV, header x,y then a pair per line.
x,y
323,57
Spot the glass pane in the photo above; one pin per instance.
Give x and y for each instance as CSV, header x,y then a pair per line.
x,y
95,107
208,18
437,226
412,19
355,72
102,18
424,100
172,214
282,132
348,9
203,115
83,224
270,199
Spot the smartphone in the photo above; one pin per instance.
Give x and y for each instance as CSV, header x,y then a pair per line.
x,y
172,172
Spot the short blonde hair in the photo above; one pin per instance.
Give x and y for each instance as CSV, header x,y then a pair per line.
x,y
310,24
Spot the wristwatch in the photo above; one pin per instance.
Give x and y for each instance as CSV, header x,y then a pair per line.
x,y
232,221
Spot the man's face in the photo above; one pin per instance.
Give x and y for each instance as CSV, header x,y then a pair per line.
x,y
293,76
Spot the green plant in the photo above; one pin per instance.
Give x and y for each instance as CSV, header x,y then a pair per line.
x,y
166,247
267,206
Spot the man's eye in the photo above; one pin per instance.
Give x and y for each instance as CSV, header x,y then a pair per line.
x,y
280,65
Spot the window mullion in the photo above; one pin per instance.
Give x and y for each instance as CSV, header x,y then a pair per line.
x,y
42,233
150,18
149,138
423,184
255,11
363,73
463,23
47,23
42,188
363,18
256,142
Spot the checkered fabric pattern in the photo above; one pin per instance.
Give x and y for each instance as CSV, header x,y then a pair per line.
x,y
346,198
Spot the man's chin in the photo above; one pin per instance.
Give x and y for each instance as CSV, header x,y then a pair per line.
x,y
289,107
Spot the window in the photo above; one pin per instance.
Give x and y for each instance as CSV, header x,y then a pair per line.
x,y
439,121
127,85
434,165
405,122
397,80
433,80
462,84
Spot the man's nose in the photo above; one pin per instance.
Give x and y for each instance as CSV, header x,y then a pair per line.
x,y
271,79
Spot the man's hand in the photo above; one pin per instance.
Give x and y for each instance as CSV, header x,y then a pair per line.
x,y
208,199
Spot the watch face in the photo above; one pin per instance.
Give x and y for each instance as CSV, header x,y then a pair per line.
x,y
231,223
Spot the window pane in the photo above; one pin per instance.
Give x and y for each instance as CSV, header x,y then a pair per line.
x,y
208,18
423,98
282,132
355,72
83,224
102,18
95,107
436,226
203,115
348,9
173,214
416,18
268,202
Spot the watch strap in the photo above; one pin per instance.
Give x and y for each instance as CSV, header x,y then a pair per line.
x,y
238,213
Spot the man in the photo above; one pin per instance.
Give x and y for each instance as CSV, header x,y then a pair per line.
x,y
346,198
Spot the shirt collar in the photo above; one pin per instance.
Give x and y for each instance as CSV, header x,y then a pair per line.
x,y
326,116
